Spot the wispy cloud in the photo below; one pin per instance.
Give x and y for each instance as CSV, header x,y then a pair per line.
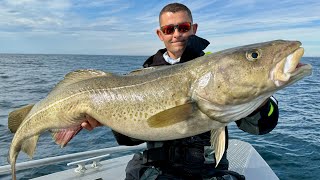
x,y
128,27
28,15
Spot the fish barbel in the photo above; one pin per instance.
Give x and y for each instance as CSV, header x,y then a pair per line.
x,y
164,103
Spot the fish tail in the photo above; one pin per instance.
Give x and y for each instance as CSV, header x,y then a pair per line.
x,y
13,171
12,158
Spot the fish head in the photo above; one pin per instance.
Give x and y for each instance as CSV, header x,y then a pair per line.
x,y
250,74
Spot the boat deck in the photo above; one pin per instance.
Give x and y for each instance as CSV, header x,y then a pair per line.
x,y
243,158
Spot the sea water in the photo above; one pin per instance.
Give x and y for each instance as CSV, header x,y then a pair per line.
x,y
292,149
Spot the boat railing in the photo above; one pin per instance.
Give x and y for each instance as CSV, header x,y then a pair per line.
x,y
92,156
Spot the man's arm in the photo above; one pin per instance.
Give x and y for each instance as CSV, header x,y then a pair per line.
x,y
261,121
126,140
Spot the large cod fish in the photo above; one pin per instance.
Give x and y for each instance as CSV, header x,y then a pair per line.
x,y
163,103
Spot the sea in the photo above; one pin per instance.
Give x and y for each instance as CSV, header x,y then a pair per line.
x,y
292,149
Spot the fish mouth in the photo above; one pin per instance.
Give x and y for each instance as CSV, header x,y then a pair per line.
x,y
289,69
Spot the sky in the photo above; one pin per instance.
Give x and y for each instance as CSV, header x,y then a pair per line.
x,y
124,27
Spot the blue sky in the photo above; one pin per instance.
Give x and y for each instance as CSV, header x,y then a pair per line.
x,y
119,27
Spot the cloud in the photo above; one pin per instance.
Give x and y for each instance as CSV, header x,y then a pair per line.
x,y
16,15
128,27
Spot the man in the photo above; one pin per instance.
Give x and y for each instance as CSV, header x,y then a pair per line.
x,y
185,158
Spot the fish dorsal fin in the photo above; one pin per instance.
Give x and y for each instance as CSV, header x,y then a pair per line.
x,y
171,116
80,75
16,117
147,70
142,71
218,142
29,145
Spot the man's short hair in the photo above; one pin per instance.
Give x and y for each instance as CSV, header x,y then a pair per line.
x,y
175,7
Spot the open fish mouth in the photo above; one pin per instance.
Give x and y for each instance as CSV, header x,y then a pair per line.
x,y
289,69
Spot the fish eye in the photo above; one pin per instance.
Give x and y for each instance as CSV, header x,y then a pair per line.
x,y
253,55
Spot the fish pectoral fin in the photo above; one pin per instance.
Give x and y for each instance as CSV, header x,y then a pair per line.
x,y
63,136
16,117
218,142
171,116
29,145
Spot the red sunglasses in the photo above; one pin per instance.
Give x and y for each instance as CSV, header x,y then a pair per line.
x,y
182,28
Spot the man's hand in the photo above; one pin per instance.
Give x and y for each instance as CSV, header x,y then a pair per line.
x,y
90,123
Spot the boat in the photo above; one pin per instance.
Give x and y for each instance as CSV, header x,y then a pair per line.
x,y
99,165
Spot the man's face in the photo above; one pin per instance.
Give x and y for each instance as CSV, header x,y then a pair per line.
x,y
176,42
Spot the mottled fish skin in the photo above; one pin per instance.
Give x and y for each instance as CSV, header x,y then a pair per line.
x,y
163,103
